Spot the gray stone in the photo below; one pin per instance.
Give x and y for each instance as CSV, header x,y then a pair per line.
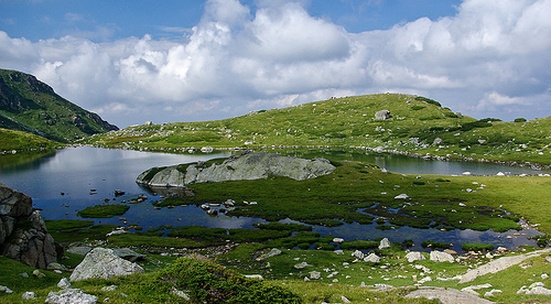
x,y
358,254
315,275
271,253
414,256
372,258
80,250
246,166
103,263
301,265
384,243
5,289
109,288
69,296
28,295
439,256
64,284
383,115
129,254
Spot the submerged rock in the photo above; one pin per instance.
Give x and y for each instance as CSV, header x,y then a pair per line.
x,y
246,166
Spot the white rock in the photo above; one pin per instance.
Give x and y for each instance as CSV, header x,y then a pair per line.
x,y
439,256
103,263
414,256
28,295
315,275
70,296
372,258
5,289
338,240
384,243
358,254
63,284
301,265
402,196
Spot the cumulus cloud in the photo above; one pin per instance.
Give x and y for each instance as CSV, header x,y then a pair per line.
x,y
491,57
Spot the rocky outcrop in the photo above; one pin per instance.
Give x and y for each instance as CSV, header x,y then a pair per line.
x,y
23,234
383,115
246,166
102,263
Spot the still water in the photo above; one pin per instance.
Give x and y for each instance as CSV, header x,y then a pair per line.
x,y
69,180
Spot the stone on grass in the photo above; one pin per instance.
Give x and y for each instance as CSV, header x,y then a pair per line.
x,y
272,253
301,265
64,284
358,254
5,289
372,258
414,256
385,243
70,295
102,263
28,295
439,256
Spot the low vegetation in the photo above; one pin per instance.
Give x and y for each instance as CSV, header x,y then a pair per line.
x,y
103,211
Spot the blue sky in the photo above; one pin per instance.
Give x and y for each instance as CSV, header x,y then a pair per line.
x,y
134,61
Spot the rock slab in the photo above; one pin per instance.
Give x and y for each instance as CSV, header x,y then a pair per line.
x,y
102,263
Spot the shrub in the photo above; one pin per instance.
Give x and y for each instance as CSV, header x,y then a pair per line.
x,y
520,119
207,282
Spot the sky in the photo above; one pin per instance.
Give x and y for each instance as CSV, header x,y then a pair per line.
x,y
133,61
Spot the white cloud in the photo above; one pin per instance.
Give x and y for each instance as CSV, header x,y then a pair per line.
x,y
491,57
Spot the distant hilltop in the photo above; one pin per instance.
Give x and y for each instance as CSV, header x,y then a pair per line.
x,y
29,105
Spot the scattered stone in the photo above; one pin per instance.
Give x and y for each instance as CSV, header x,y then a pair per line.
x,y
439,256
116,232
424,280
71,295
338,240
382,287
80,250
358,254
414,256
63,284
24,275
272,253
447,296
544,276
181,294
38,274
129,254
474,288
5,289
383,115
109,288
28,295
372,258
345,300
450,251
301,265
423,268
103,263
402,196
384,243
339,252
315,275
254,276
492,293
57,266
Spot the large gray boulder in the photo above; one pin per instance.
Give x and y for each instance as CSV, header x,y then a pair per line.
x,y
246,166
383,115
103,263
69,296
23,234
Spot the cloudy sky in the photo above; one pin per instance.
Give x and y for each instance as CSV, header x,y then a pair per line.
x,y
174,60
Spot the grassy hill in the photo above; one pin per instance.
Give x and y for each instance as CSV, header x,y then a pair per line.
x,y
418,125
27,104
23,142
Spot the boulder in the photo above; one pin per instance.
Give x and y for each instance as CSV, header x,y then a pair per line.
x,y
384,243
129,254
71,295
414,256
358,254
372,258
383,115
271,253
23,234
103,263
439,256
246,166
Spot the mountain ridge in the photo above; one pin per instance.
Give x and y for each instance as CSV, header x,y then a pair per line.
x,y
30,105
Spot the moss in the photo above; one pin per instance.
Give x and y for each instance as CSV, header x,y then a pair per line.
x,y
103,211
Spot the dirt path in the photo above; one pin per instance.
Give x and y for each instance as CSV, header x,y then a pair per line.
x,y
499,265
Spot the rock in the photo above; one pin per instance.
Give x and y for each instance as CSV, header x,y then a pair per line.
x,y
372,258
338,240
23,234
301,265
315,275
439,256
38,274
116,232
129,254
5,289
80,250
402,196
64,284
181,294
246,166
345,300
103,263
71,295
384,243
383,115
492,293
56,266
109,288
272,253
446,295
414,256
28,295
358,254
339,252
254,276
450,251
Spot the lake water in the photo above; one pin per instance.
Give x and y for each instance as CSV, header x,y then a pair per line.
x,y
60,185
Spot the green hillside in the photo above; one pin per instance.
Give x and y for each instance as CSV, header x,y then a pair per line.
x,y
418,126
29,105
19,141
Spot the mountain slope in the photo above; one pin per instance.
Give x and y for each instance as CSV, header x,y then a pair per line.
x,y
29,105
417,126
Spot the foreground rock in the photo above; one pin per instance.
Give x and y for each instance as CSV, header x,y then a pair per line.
x,y
102,263
447,296
23,234
70,296
246,166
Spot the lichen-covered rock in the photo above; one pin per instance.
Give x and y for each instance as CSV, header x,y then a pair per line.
x,y
439,256
414,256
102,263
383,115
71,295
246,166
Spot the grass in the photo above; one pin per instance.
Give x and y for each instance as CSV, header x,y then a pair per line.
x,y
103,211
419,126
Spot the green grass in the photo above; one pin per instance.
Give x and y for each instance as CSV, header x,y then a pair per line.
x,y
103,211
68,231
349,122
23,142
